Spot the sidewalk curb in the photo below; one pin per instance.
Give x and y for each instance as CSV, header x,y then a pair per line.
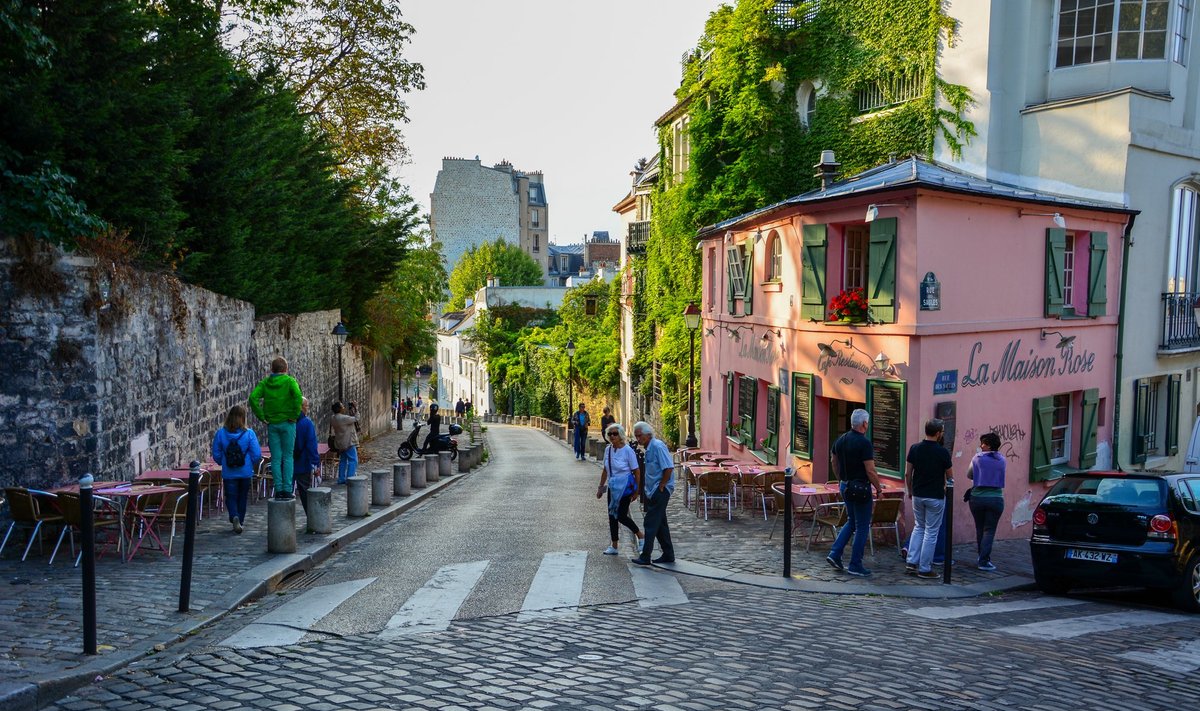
x,y
253,584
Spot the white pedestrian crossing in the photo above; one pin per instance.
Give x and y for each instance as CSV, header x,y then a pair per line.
x,y
289,623
432,608
1181,659
955,612
556,587
655,588
1070,627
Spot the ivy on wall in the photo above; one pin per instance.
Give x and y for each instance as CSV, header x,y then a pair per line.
x,y
749,146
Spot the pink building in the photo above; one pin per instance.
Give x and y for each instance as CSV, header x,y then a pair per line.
x,y
989,306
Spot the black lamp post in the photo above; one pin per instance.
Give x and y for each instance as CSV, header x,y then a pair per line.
x,y
691,316
340,332
570,381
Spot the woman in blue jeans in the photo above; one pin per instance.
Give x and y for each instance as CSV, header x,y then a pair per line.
x,y
234,441
987,495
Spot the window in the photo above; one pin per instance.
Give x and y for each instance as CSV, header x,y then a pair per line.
x,y
1060,430
562,263
680,149
774,257
1156,417
747,404
1183,16
1181,261
533,218
892,91
735,274
1076,274
537,240
771,440
730,411
855,271
1064,433
1086,30
806,102
712,279
1069,271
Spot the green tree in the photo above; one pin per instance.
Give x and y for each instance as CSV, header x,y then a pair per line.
x,y
505,261
398,316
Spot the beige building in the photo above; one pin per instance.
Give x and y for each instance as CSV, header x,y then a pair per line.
x,y
1098,99
634,210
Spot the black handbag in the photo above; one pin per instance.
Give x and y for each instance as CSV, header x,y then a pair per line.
x,y
330,442
857,491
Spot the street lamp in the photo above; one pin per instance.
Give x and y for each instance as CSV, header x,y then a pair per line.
x,y
339,331
570,379
691,316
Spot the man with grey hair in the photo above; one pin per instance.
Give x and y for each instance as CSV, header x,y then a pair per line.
x,y
853,462
658,482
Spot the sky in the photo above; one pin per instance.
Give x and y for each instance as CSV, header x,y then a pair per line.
x,y
566,87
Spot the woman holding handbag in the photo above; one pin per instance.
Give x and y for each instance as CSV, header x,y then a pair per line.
x,y
620,477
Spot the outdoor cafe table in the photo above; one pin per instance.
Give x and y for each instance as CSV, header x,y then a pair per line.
x,y
126,498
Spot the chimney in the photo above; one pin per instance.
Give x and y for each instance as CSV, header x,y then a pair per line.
x,y
827,169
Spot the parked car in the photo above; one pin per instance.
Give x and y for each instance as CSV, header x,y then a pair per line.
x,y
1115,528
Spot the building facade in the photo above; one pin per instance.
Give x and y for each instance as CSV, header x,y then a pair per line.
x,y
915,291
1098,99
634,210
472,203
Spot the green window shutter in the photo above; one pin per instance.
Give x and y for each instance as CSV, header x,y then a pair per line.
x,y
1043,422
1056,248
772,419
748,280
731,282
815,241
881,270
730,389
1141,418
1098,275
1087,438
1174,383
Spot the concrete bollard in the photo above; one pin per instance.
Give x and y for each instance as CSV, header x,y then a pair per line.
x,y
401,479
464,461
417,465
444,464
381,488
357,503
281,526
320,506
432,471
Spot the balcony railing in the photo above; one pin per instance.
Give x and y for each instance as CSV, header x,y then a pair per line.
x,y
639,235
1179,322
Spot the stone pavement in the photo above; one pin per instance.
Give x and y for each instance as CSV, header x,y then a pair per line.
x,y
137,602
746,550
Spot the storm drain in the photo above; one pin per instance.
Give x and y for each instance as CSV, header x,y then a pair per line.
x,y
300,580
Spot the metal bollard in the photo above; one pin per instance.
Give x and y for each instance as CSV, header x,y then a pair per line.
x,y
189,537
88,546
948,544
787,522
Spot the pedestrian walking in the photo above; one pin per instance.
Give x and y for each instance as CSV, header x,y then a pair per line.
x,y
606,419
276,401
459,408
238,452
619,477
580,421
306,461
986,497
853,462
929,468
345,440
658,481
420,409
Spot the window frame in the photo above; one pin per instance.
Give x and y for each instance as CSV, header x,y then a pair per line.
x,y
1113,35
860,233
1184,245
774,261
1067,430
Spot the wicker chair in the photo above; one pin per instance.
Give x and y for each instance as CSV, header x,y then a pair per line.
x,y
832,516
25,507
105,517
716,486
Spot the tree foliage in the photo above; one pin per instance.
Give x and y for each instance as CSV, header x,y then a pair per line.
x,y
503,260
398,316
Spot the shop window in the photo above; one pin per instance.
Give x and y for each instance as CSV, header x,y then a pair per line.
x,y
1064,433
1155,417
1076,273
747,405
774,257
1105,30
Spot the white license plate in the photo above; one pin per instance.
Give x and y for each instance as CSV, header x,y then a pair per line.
x,y
1098,556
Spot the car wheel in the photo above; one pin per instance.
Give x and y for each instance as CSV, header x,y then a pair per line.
x,y
1187,595
1049,585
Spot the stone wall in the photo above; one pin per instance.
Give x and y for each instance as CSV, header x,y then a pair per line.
x,y
472,204
143,382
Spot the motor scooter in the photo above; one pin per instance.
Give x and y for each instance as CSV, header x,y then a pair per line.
x,y
444,443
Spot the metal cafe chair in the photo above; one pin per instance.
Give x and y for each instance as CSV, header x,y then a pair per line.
x,y
25,507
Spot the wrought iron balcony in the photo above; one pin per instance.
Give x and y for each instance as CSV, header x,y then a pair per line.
x,y
1179,322
639,235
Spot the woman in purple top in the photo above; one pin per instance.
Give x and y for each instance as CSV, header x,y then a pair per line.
x,y
987,495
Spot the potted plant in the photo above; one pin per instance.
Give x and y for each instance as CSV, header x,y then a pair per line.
x,y
850,305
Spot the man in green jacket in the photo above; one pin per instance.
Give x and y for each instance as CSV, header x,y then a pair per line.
x,y
276,400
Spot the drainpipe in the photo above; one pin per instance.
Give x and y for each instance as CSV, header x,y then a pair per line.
x,y
1116,438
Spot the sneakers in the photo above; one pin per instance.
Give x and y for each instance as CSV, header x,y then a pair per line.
x,y
861,572
928,575
987,566
664,559
638,560
237,526
904,553
910,568
834,562
610,551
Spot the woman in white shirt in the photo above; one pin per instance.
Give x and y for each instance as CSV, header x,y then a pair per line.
x,y
621,477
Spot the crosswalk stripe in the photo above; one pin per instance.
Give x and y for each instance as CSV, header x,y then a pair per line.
x,y
289,623
431,608
556,587
1183,659
991,608
655,589
1079,626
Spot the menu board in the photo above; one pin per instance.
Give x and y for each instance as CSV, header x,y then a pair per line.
x,y
802,415
746,391
886,403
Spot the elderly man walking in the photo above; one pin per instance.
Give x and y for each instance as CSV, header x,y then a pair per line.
x,y
853,461
658,481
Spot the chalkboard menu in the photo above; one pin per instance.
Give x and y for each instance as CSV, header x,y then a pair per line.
x,y
887,404
747,388
802,415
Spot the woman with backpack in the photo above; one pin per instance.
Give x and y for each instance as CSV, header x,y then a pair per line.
x,y
619,478
238,452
